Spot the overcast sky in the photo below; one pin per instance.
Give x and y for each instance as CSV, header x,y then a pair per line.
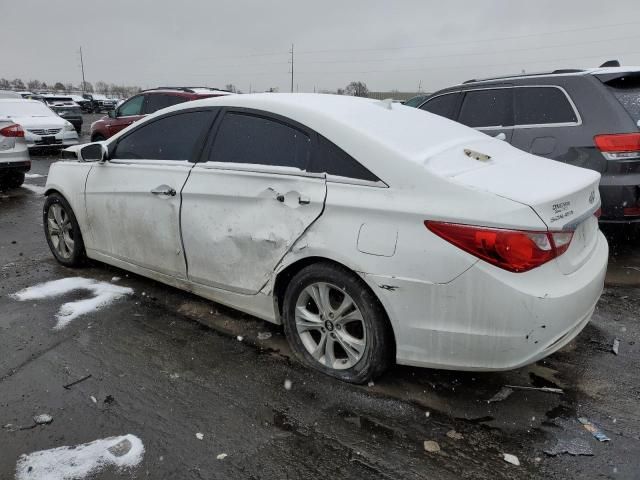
x,y
387,44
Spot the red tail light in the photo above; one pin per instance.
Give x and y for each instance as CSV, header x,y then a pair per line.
x,y
512,250
631,211
619,146
12,131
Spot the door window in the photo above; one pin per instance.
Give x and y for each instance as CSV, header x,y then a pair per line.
x,y
443,105
156,101
175,137
543,105
131,107
487,108
245,138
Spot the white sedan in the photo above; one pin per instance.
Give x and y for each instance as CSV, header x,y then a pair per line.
x,y
43,128
372,231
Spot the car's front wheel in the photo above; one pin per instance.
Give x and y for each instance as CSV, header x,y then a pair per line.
x,y
62,231
336,325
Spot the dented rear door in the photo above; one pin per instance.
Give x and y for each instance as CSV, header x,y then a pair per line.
x,y
248,200
237,225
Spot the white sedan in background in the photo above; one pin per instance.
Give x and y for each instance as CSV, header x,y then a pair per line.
x,y
43,128
373,231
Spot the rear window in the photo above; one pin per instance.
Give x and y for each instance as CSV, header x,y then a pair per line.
x,y
542,105
627,90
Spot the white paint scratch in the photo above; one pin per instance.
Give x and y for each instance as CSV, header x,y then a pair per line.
x,y
80,461
104,294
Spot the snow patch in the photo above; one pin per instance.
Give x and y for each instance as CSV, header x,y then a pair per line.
x,y
34,188
77,462
33,175
104,294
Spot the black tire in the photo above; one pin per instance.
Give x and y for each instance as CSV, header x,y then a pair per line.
x,y
97,138
379,344
69,257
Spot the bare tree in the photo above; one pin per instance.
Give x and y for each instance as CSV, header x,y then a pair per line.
x,y
68,87
58,87
17,84
87,87
357,89
102,87
4,84
231,87
33,84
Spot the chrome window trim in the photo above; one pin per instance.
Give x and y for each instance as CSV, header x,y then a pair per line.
x,y
541,125
355,181
257,168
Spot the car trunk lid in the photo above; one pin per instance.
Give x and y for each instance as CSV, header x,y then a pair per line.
x,y
563,196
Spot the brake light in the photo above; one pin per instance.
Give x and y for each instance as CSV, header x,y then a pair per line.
x,y
14,130
598,213
618,146
512,250
631,211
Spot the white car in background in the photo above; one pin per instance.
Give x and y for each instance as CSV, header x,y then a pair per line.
x,y
43,128
14,155
373,231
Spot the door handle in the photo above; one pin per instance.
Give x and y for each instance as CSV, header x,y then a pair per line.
x,y
304,200
164,190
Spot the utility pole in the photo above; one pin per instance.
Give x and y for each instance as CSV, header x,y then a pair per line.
x,y
291,52
82,67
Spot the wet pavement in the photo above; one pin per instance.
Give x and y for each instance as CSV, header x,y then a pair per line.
x,y
166,365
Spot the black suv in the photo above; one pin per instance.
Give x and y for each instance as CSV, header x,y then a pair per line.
x,y
588,118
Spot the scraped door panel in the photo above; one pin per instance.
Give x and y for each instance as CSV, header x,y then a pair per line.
x,y
237,225
129,222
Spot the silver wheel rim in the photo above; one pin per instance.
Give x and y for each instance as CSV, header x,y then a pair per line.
x,y
60,230
330,326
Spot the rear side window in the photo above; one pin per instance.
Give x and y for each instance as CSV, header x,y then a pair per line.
x,y
156,101
175,137
443,105
245,138
542,105
332,160
487,108
627,90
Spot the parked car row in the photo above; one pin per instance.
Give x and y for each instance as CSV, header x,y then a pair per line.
x,y
374,232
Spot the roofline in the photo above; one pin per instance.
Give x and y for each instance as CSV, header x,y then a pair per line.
x,y
186,89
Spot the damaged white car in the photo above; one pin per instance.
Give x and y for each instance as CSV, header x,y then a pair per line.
x,y
373,231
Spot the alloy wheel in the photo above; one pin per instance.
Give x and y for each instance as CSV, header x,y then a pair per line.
x,y
330,326
60,230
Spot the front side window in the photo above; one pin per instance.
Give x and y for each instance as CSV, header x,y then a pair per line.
x,y
443,105
157,101
131,107
487,108
251,139
332,160
175,137
542,105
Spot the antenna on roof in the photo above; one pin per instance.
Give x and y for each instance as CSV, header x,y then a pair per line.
x,y
610,63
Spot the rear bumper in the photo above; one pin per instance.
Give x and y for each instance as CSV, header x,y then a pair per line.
x,y
618,192
489,319
60,140
21,166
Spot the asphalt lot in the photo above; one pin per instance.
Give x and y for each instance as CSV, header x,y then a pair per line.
x,y
166,365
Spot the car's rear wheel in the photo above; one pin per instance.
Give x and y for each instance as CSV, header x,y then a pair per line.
x,y
62,231
14,179
97,138
336,325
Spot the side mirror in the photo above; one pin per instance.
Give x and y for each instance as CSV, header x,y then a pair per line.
x,y
94,152
112,114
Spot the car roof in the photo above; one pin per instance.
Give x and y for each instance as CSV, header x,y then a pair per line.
x,y
21,100
377,133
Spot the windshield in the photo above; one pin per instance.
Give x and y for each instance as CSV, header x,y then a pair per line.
x,y
25,109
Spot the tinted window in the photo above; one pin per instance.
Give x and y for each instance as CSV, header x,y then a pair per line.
x,y
335,161
626,89
169,138
156,101
246,138
415,101
131,107
443,105
540,105
487,108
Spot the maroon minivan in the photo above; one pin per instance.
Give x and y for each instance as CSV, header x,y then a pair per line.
x,y
145,103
